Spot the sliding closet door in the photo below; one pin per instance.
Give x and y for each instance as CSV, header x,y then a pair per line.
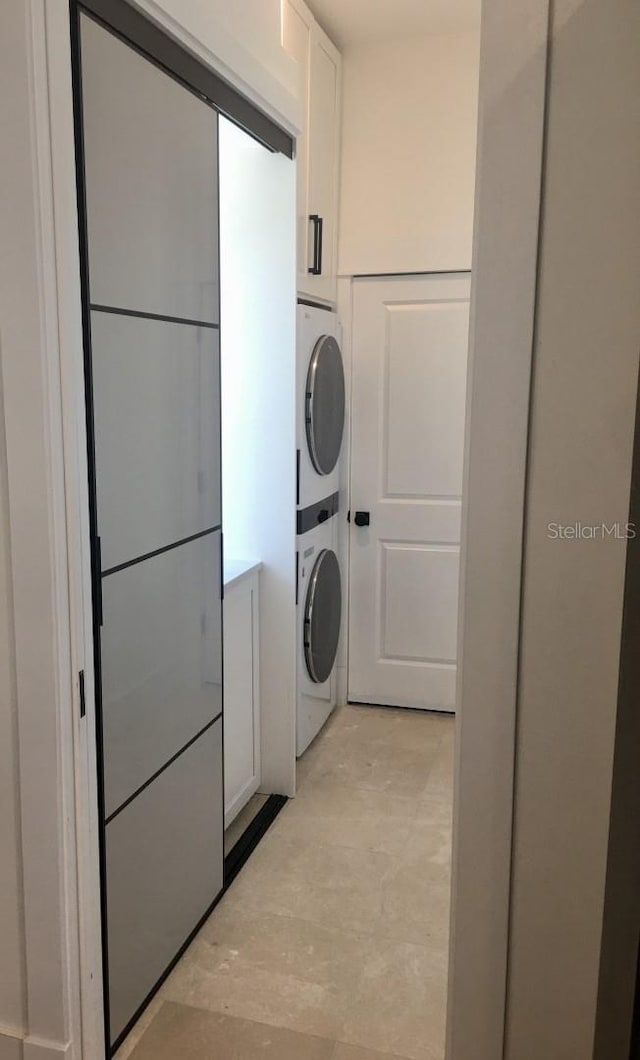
x,y
150,172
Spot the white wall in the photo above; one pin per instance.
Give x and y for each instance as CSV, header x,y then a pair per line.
x,y
582,424
408,154
257,330
409,116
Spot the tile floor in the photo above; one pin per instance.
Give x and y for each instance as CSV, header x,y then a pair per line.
x,y
331,944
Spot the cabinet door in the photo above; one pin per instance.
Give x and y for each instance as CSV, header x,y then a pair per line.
x,y
324,130
296,40
241,696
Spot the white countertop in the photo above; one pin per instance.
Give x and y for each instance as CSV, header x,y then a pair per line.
x,y
235,569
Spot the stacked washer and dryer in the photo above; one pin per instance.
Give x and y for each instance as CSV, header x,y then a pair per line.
x,y
319,429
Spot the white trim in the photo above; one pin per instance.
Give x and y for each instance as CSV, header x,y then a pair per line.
x,y
38,1049
344,294
38,985
240,801
31,375
75,458
10,1047
513,65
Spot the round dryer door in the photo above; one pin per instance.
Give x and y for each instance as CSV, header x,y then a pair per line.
x,y
322,613
324,411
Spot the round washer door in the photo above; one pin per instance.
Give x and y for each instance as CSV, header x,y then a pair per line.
x,y
324,404
322,614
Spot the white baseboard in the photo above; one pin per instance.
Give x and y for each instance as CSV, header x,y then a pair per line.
x,y
10,1047
240,800
42,1049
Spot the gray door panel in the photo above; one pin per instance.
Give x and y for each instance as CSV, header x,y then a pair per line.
x,y
157,424
164,869
151,171
161,661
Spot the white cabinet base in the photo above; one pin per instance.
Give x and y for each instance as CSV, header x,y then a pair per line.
x,y
240,801
241,687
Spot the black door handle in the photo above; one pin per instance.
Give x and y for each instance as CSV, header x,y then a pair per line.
x,y
362,518
316,268
320,242
323,515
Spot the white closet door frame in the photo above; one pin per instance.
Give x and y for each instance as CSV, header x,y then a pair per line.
x,y
511,129
43,401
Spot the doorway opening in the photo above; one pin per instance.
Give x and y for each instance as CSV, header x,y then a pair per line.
x,y
327,467
257,421
333,939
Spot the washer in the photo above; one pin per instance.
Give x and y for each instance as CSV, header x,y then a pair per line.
x,y
320,411
318,628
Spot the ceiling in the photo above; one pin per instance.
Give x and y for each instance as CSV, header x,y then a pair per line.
x,y
351,22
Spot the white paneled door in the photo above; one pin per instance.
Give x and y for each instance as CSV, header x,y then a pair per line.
x,y
410,338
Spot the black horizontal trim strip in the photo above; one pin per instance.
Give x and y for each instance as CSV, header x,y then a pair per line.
x,y
414,272
166,765
140,314
406,710
155,44
316,514
159,551
316,305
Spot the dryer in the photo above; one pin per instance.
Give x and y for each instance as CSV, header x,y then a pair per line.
x,y
320,410
319,606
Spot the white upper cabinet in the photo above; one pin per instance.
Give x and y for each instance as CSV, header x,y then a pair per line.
x,y
324,143
296,39
317,151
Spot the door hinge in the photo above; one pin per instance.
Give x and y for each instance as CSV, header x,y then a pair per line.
x,y
83,704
